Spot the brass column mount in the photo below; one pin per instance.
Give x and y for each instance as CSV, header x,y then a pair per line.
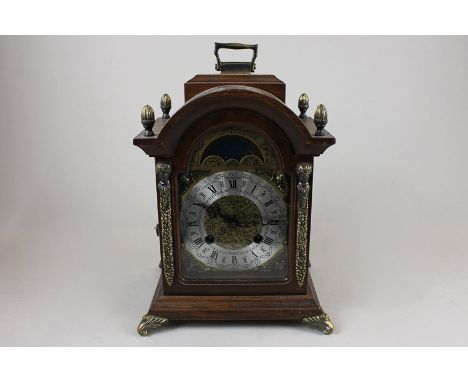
x,y
164,186
147,120
321,322
303,171
150,322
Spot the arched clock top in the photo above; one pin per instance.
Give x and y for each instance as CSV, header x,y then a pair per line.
x,y
299,131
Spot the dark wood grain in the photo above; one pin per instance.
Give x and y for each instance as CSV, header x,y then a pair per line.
x,y
259,307
202,82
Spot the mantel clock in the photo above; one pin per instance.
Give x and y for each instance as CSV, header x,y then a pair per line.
x,y
234,170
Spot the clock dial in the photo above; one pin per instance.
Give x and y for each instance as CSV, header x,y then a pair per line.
x,y
233,221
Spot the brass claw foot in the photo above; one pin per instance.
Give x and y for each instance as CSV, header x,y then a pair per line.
x,y
149,322
321,322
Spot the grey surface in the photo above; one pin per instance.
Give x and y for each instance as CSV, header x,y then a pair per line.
x,y
78,261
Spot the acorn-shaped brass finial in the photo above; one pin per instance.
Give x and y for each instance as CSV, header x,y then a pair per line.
x,y
147,120
303,105
320,119
166,105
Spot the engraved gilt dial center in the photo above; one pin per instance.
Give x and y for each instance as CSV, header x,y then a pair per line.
x,y
233,221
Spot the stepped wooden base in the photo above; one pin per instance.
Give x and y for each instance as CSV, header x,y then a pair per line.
x,y
165,308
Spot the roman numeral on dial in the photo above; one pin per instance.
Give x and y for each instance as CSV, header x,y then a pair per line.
x,y
214,255
268,203
192,224
233,183
212,189
268,240
199,242
256,258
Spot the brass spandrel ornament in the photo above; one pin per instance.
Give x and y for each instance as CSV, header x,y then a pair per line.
x,y
234,168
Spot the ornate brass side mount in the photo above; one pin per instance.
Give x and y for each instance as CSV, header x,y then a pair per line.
x,y
150,322
303,171
321,322
164,187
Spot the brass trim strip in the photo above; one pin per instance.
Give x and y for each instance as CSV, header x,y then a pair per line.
x,y
165,218
303,171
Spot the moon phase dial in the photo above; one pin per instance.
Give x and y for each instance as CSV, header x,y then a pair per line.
x,y
234,221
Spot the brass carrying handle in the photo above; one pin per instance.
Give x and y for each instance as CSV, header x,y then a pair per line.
x,y
236,46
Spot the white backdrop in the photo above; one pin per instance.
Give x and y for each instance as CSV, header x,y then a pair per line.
x,y
78,261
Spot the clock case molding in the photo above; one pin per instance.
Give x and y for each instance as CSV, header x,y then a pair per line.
x,y
256,101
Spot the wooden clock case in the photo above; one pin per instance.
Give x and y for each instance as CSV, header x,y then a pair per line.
x,y
256,101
